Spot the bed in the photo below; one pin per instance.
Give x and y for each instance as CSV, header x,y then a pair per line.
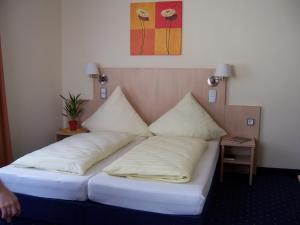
x,y
114,200
97,198
132,202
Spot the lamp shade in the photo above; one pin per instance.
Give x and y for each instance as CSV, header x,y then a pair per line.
x,y
91,69
223,70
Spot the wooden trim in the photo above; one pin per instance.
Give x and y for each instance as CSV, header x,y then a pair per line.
x,y
5,143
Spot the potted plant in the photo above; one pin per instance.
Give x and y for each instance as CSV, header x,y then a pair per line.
x,y
73,109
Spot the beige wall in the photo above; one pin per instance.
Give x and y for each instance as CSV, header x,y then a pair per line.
x,y
31,40
261,39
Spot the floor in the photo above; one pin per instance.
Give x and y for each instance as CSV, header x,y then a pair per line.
x,y
274,198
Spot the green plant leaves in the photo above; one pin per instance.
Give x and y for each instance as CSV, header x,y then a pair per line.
x,y
72,106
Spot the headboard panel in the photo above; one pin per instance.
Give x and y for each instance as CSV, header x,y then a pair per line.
x,y
236,117
152,91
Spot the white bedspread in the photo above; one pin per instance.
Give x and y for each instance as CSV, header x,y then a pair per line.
x,y
170,159
48,184
75,154
156,196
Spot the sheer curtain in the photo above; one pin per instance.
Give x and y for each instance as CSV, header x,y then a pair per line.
x,y
5,144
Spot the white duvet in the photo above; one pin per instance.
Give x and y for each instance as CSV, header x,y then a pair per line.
x,y
170,159
75,154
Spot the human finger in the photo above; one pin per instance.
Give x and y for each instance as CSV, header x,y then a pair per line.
x,y
3,213
14,211
8,212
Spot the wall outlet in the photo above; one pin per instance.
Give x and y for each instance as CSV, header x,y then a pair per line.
x,y
250,121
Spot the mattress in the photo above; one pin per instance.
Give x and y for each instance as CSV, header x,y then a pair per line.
x,y
48,184
155,196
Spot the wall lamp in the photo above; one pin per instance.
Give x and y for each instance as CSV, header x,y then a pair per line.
x,y
222,71
92,69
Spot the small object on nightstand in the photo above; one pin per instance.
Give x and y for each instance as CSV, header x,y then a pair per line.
x,y
229,157
237,139
241,143
66,132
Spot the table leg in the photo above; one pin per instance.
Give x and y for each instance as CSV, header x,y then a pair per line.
x,y
251,166
222,163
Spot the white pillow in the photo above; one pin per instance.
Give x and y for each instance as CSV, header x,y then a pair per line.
x,y
116,114
187,119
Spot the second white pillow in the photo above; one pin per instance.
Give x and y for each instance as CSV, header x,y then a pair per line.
x,y
187,119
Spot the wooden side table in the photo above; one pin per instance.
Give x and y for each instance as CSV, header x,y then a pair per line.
x,y
66,132
238,159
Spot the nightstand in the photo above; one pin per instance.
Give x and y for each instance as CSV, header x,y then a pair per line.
x,y
66,132
243,154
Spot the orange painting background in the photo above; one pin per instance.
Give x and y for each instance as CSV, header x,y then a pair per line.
x,y
154,38
134,20
136,41
175,42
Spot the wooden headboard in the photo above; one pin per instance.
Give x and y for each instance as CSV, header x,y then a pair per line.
x,y
153,91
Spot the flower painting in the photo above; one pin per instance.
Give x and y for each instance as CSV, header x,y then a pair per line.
x,y
155,28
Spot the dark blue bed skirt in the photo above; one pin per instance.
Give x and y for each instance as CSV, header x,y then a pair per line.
x,y
44,211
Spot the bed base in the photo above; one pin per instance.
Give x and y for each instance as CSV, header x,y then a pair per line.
x,y
45,211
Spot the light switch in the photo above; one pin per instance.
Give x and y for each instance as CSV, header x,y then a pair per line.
x,y
103,92
212,96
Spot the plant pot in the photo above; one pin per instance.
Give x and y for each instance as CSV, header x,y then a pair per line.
x,y
73,125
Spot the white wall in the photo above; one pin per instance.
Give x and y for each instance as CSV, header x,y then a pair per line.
x,y
261,39
31,44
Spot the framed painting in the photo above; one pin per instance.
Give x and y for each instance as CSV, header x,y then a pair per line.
x,y
156,28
